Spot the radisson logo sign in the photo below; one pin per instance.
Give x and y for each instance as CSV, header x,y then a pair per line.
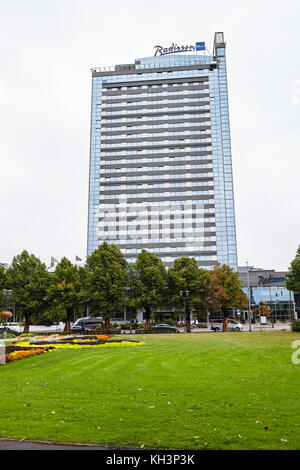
x,y
159,50
267,280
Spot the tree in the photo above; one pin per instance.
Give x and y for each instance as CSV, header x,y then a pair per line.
x,y
184,276
131,290
29,279
293,278
262,309
2,286
105,281
231,295
216,294
151,284
65,290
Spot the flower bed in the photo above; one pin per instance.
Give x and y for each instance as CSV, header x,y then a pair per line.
x,y
34,346
92,341
14,353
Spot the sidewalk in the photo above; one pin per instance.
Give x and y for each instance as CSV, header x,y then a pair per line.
x,y
14,444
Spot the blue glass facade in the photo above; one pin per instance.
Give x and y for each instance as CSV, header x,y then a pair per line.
x,y
160,159
268,287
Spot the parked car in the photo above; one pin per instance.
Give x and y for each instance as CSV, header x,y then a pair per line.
x,y
164,328
86,324
217,325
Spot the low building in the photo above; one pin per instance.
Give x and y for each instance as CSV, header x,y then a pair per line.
x,y
268,285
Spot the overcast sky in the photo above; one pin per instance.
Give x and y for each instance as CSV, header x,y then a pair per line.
x,y
46,51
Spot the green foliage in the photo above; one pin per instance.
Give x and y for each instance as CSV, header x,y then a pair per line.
x,y
105,280
230,288
186,276
29,280
296,325
48,316
293,281
2,286
28,335
151,283
126,326
2,277
65,291
168,321
107,283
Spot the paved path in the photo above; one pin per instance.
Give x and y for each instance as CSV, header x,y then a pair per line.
x,y
13,444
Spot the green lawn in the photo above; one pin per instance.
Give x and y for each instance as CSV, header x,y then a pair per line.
x,y
211,390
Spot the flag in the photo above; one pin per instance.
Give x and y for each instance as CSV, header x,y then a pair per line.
x,y
78,259
53,261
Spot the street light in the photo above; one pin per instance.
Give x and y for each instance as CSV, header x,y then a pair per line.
x,y
184,295
128,289
249,305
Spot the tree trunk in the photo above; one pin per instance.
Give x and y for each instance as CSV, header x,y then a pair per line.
x,y
148,317
27,324
67,328
107,325
225,319
188,323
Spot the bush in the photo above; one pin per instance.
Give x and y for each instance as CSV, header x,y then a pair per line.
x,y
126,326
296,325
168,321
28,335
202,325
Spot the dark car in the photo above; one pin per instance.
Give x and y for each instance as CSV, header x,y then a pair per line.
x,y
86,324
164,328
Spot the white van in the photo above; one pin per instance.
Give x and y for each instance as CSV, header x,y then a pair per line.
x,y
86,324
233,325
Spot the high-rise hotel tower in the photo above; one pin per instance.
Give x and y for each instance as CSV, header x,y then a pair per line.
x,y
160,156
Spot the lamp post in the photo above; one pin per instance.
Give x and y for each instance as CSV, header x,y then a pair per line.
x,y
249,301
128,297
184,294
